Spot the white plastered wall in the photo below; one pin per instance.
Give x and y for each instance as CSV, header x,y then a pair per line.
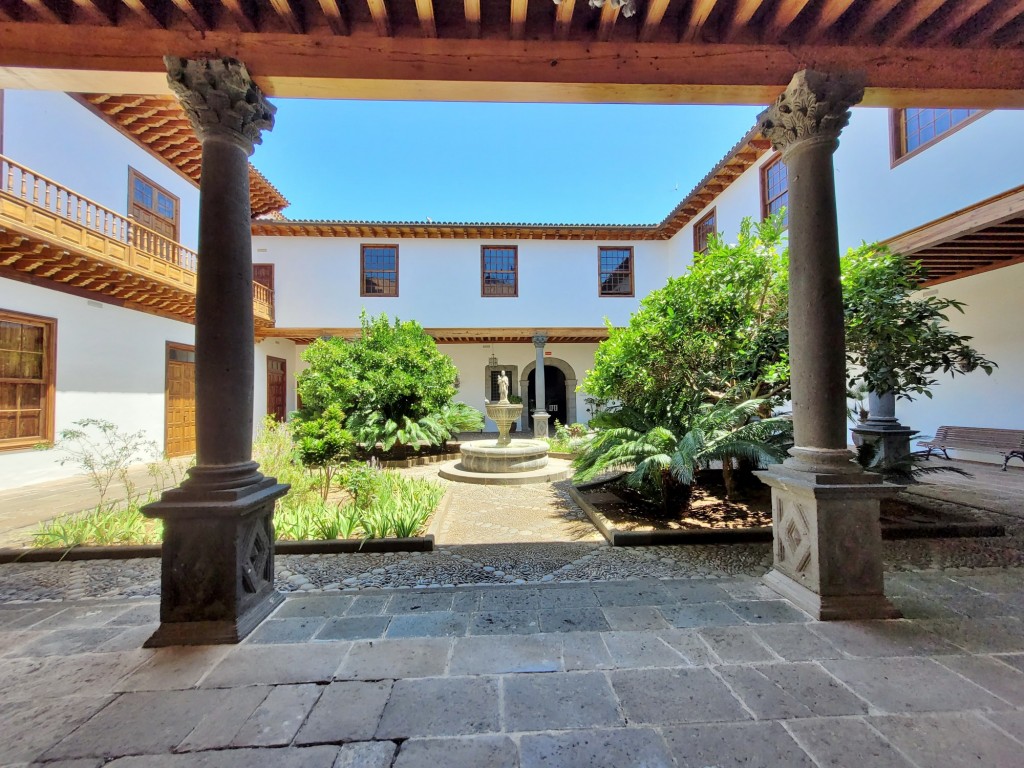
x,y
287,351
110,365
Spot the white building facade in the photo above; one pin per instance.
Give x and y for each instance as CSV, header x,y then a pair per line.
x,y
485,292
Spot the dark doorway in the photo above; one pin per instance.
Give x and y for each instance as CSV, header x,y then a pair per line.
x,y
554,393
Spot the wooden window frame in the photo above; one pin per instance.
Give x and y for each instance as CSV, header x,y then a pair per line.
x,y
132,176
362,271
897,134
49,380
763,175
712,214
632,272
484,270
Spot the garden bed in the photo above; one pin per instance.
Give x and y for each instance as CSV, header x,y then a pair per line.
x,y
626,520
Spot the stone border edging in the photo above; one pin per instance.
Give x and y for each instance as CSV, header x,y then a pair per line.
x,y
134,551
440,515
420,461
617,538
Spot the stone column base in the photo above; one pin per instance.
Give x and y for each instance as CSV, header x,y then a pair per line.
x,y
827,543
540,424
892,444
217,562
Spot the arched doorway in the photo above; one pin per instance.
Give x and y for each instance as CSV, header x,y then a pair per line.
x,y
554,394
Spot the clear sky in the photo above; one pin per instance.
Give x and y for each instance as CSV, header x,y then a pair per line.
x,y
537,163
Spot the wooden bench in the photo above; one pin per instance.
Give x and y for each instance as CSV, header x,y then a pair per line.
x,y
1008,442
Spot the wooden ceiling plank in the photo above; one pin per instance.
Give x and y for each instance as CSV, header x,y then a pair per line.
x,y
739,19
563,18
695,19
869,18
913,17
95,14
829,14
609,15
45,12
425,12
289,15
144,14
379,12
472,11
984,33
191,12
517,19
653,15
333,15
239,15
784,15
960,12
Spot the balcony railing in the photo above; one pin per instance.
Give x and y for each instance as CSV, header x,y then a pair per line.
x,y
81,224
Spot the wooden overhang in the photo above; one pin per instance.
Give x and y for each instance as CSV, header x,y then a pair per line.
x,y
963,53
159,125
741,157
450,335
980,238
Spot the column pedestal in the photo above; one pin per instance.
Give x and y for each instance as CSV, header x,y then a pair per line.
x,y
884,431
217,567
540,424
827,543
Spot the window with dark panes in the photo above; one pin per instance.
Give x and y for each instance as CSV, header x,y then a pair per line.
x,y
499,270
615,271
27,345
775,189
379,270
152,206
702,232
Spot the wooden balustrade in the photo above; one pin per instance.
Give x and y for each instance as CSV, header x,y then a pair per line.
x,y
148,252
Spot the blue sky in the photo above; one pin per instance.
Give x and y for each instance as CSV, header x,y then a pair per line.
x,y
538,163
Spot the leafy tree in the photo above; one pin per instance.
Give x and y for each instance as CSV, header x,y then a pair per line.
x,y
323,443
662,459
895,341
718,332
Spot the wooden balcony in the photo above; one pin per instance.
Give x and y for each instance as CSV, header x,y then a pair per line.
x,y
52,236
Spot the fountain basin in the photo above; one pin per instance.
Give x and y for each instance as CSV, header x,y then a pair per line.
x,y
516,456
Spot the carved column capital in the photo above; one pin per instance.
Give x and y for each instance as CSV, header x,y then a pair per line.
x,y
814,107
539,340
220,99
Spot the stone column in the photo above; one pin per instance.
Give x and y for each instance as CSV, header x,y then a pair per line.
x,y
540,411
825,509
217,580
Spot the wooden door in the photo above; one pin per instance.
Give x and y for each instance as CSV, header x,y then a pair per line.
x,y
276,387
180,398
263,274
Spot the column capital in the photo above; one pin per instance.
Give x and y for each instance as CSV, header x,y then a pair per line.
x,y
814,107
220,99
540,339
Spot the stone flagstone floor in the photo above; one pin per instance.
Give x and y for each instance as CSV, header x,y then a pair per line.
x,y
680,673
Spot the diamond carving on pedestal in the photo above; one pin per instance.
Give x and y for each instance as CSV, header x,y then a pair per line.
x,y
256,569
793,541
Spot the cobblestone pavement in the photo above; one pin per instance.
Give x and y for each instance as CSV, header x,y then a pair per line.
x,y
660,673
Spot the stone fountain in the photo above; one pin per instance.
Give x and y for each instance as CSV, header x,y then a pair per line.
x,y
505,461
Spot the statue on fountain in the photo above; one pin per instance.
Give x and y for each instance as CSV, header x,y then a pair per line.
x,y
502,387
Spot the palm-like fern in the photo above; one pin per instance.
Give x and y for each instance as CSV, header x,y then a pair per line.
x,y
662,461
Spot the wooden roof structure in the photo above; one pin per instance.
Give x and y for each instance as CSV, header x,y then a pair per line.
x,y
964,53
449,335
160,125
977,239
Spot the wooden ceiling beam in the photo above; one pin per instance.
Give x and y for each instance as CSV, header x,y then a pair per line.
x,y
191,12
563,19
695,19
46,12
653,15
784,15
606,25
472,11
379,12
960,12
738,20
334,17
517,19
290,14
425,12
120,60
240,15
913,17
986,30
869,18
828,15
94,13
